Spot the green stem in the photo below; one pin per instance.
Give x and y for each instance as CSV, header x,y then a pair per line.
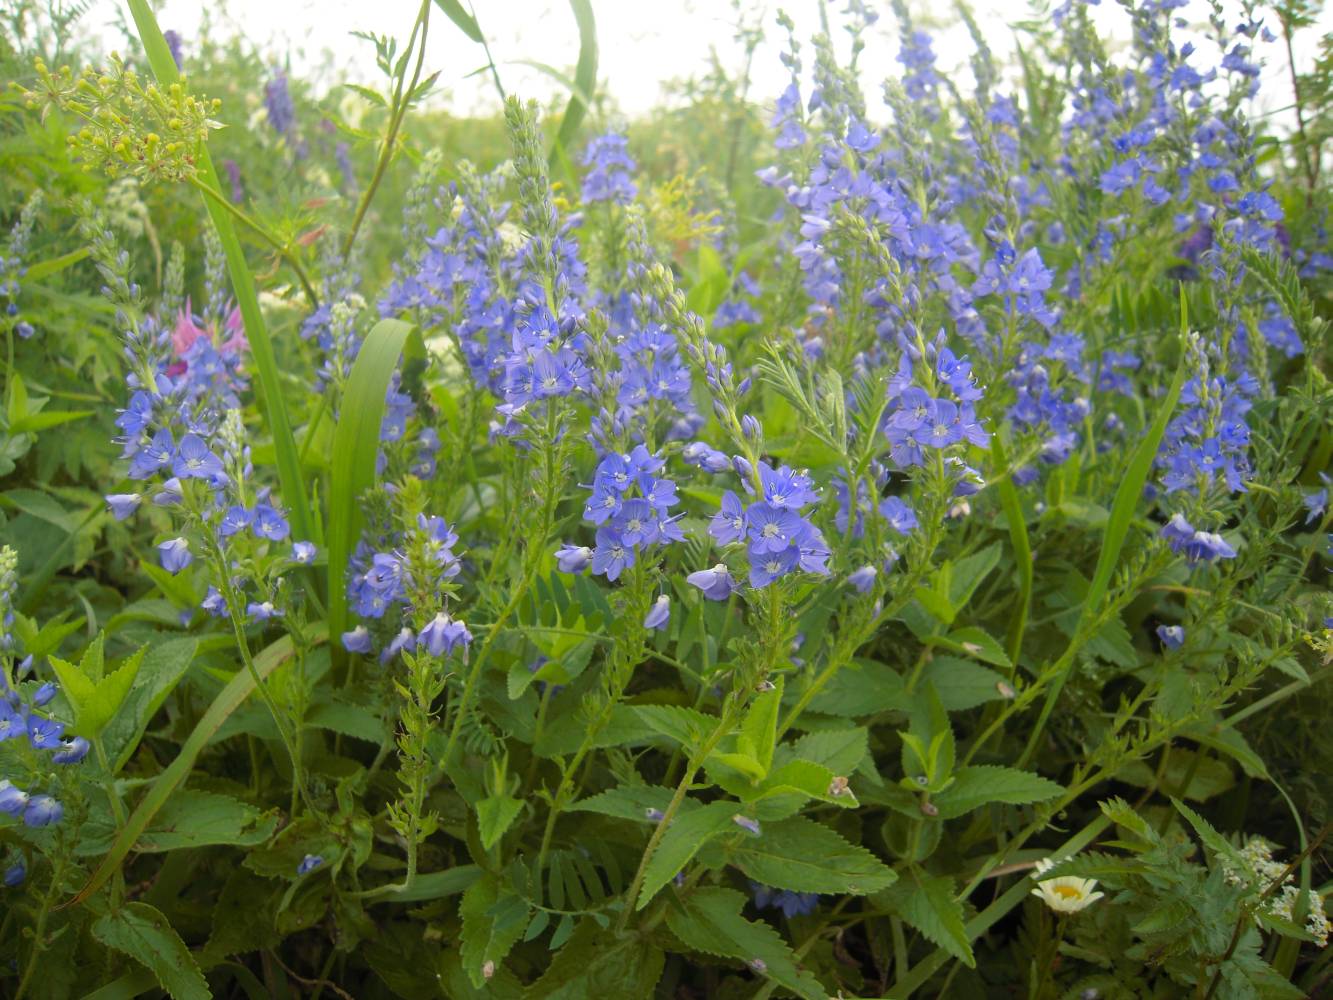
x,y
117,805
39,928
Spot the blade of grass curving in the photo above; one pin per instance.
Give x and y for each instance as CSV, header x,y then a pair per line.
x,y
1018,537
231,697
243,284
1113,538
356,443
466,23
585,79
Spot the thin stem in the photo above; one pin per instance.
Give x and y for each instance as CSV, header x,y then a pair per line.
x,y
259,230
400,103
117,806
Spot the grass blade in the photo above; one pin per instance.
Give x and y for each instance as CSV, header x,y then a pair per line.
x,y
232,696
243,284
1018,537
356,443
585,80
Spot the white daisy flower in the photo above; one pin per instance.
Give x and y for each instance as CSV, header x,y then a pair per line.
x,y
1065,894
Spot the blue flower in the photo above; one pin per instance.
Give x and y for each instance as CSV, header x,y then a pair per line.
x,y
262,611
213,603
772,529
442,635
573,558
123,504
716,583
1172,636
44,694
303,553
44,734
12,724
612,556
234,519
175,555
609,179
659,614
42,810
269,523
728,524
900,516
194,460
15,874
357,640
13,800
764,569
72,751
308,864
792,904
863,579
405,640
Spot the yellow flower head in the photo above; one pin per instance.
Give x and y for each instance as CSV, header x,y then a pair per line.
x,y
1065,894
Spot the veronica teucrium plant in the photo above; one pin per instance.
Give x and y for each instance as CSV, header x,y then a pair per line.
x,y
869,539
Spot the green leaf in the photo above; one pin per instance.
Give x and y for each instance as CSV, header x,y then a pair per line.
x,y
356,444
199,819
494,918
1217,844
973,641
686,834
927,903
970,572
760,728
76,686
686,726
494,817
231,697
840,750
710,921
585,78
631,802
109,695
804,856
46,268
978,785
466,23
962,684
162,668
143,933
263,361
593,963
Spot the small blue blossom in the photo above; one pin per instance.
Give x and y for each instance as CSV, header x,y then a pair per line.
x,y
175,555
308,864
716,583
1172,636
659,614
357,640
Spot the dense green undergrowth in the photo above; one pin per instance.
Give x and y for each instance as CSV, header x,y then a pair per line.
x,y
869,540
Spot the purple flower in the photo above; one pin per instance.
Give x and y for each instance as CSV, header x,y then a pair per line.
x,y
357,640
612,556
792,904
44,694
303,553
659,614
170,494
174,555
308,864
772,529
716,583
764,569
123,504
573,558
746,823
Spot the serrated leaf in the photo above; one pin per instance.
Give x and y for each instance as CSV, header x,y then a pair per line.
x,y
681,842
162,668
973,641
840,750
108,696
494,817
631,802
804,856
76,686
494,919
981,784
198,819
761,725
962,684
710,921
927,903
593,963
684,725
143,933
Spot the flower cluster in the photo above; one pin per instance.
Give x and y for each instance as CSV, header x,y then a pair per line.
x,y
630,505
778,539
611,168
1255,868
1197,546
12,268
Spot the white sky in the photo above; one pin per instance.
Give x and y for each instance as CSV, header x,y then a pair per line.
x,y
643,43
